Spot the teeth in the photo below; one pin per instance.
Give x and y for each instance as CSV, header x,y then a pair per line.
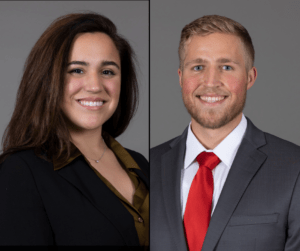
x,y
90,103
211,99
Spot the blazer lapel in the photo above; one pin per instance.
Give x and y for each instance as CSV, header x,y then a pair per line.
x,y
247,162
81,176
143,173
172,163
142,176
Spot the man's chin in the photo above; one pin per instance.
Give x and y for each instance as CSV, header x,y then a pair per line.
x,y
213,120
211,124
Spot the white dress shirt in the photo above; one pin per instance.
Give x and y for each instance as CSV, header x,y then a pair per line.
x,y
226,152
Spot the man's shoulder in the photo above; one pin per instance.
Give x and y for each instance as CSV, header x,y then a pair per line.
x,y
267,142
281,153
276,144
162,148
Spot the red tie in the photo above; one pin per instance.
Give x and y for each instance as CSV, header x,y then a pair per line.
x,y
198,206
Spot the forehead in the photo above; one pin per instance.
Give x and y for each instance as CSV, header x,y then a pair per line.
x,y
92,46
214,46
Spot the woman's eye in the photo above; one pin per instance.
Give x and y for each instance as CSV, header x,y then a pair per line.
x,y
108,72
227,67
77,71
198,68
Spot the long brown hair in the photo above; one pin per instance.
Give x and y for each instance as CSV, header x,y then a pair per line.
x,y
38,122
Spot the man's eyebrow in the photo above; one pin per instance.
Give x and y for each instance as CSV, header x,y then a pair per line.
x,y
196,61
203,61
103,63
227,60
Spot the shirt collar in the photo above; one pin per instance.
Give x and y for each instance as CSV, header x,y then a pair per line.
x,y
123,156
225,151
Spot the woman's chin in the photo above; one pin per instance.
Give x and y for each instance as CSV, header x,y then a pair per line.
x,y
85,127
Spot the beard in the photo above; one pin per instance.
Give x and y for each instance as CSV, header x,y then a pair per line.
x,y
212,118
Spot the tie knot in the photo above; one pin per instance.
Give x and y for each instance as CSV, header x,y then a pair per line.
x,y
208,159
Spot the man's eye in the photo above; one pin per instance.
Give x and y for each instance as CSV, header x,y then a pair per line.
x,y
77,71
198,68
108,72
227,67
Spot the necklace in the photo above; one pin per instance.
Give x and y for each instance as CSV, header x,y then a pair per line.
x,y
97,160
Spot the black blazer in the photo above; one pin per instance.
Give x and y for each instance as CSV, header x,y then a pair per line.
x,y
70,206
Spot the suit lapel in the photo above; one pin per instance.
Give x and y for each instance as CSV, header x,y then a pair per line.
x,y
172,163
247,162
81,176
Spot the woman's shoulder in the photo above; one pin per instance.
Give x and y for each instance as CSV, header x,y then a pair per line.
x,y
136,155
16,175
25,155
22,160
139,159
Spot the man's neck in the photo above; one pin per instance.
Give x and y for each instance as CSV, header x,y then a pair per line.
x,y
210,138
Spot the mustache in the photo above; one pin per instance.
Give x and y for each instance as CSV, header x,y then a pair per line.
x,y
210,91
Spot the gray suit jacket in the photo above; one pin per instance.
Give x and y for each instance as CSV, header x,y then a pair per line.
x,y
259,207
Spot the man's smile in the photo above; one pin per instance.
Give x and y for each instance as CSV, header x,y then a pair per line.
x,y
212,99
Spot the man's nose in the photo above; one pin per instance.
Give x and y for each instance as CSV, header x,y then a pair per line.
x,y
212,77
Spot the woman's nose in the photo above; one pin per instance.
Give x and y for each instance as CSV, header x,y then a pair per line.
x,y
94,82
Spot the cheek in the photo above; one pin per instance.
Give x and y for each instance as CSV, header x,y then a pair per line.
x,y
236,85
113,88
71,88
189,85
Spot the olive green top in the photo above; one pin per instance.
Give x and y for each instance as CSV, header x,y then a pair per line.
x,y
140,207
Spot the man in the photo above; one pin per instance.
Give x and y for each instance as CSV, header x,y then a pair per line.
x,y
223,184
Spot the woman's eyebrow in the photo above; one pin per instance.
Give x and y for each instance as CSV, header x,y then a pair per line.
x,y
78,62
103,63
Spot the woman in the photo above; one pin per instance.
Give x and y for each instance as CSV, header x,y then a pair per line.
x,y
64,179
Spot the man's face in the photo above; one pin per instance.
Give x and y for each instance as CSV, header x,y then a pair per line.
x,y
214,79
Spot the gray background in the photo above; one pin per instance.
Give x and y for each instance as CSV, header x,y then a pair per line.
x,y
23,22
272,103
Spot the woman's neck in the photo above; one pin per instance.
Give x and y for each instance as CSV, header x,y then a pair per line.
x,y
89,142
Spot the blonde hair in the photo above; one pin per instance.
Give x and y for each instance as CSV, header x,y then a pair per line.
x,y
207,25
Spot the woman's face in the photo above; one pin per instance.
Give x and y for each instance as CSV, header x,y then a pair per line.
x,y
92,81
